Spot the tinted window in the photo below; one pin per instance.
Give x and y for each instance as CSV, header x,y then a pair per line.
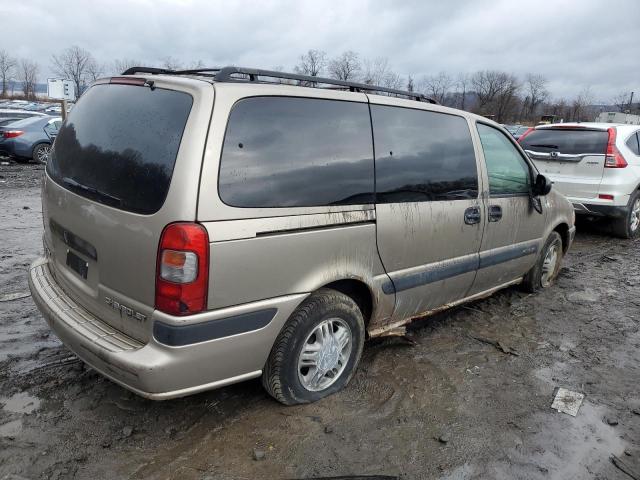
x,y
119,145
297,152
508,171
422,156
565,140
634,143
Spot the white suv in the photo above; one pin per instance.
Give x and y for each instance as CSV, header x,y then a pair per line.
x,y
596,165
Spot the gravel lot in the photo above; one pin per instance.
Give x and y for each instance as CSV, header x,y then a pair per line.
x,y
453,405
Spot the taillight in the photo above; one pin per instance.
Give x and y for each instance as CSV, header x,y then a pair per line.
x,y
613,158
182,274
12,133
525,134
605,196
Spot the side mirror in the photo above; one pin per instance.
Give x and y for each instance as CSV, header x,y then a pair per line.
x,y
542,185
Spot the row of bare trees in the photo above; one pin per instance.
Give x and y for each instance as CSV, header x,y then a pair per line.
x,y
500,95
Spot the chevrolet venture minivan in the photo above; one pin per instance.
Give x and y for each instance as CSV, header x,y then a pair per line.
x,y
207,227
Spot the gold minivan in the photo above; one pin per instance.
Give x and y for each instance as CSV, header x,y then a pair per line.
x,y
208,227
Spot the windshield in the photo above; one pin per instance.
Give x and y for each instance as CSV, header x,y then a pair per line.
x,y
119,145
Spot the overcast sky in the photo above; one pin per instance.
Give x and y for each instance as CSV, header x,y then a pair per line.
x,y
575,44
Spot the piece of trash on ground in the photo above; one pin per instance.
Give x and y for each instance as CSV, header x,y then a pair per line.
x,y
7,297
567,401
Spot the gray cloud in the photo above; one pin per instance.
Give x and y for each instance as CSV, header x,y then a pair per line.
x,y
575,44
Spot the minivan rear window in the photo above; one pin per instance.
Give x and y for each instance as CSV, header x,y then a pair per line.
x,y
297,152
566,140
119,145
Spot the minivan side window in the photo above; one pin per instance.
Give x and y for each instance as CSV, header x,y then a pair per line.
x,y
508,171
422,156
634,143
297,152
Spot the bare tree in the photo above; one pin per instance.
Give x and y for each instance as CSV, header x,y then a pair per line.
x,y
171,63
621,101
312,63
95,70
374,71
462,85
74,64
121,65
438,86
7,70
497,93
580,107
410,84
346,66
28,75
536,93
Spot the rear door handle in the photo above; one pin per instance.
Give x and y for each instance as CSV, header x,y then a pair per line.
x,y
495,213
472,215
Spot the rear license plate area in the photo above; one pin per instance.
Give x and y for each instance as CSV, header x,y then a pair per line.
x,y
77,264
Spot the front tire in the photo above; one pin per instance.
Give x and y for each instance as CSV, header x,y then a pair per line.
x,y
547,267
629,225
317,351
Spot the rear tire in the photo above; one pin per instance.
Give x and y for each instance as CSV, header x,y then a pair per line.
x,y
547,267
317,351
41,152
629,225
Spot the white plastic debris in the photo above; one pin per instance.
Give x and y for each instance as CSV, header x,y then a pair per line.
x,y
567,401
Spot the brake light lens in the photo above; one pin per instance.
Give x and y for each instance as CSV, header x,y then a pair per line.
x,y
525,134
613,158
182,276
12,133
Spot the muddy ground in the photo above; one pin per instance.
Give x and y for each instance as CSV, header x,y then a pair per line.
x,y
452,406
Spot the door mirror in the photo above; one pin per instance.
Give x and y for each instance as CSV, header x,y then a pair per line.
x,y
542,186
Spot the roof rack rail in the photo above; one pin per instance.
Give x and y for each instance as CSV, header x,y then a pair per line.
x,y
226,74
230,74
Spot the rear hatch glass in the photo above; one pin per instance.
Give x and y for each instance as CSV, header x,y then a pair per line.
x,y
119,145
573,158
568,141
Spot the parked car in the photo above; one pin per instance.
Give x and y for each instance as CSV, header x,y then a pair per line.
x,y
29,138
519,131
596,165
8,120
13,113
191,244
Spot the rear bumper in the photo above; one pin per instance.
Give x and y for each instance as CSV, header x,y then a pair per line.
x,y
613,211
155,370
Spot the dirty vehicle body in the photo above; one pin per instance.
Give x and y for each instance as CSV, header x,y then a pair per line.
x,y
596,165
233,229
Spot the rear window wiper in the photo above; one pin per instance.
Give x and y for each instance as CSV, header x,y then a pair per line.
x,y
70,182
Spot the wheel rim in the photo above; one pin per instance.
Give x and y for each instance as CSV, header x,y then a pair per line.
x,y
324,354
550,265
635,216
43,153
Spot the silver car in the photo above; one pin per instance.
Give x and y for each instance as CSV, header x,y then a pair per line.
x,y
596,165
208,227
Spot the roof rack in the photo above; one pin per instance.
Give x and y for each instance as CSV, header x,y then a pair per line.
x,y
240,74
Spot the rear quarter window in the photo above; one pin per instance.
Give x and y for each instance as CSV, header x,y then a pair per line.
x,y
296,152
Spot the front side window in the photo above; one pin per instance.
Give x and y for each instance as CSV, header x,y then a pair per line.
x,y
508,171
297,152
422,156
